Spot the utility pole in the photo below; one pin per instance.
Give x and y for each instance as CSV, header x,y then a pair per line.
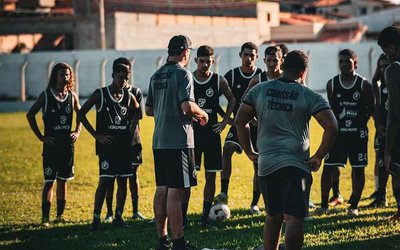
x,y
102,25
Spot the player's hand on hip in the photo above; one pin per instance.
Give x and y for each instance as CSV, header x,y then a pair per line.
x,y
48,140
104,139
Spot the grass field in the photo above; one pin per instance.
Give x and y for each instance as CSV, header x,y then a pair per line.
x,y
21,181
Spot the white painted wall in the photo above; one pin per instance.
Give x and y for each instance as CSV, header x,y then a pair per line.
x,y
323,65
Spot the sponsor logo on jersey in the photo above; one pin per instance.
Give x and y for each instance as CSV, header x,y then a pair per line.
x,y
68,109
348,123
351,113
105,165
123,111
356,96
229,135
63,119
209,92
327,156
387,105
384,90
48,171
201,102
380,163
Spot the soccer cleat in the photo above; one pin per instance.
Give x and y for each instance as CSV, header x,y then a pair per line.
x,y
353,212
311,205
119,222
221,198
334,201
60,219
187,246
95,224
152,221
206,223
320,211
45,222
167,245
377,204
108,218
138,216
255,210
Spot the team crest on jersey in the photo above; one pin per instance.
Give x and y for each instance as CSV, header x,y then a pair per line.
x,y
356,96
117,120
63,119
194,173
123,110
48,171
380,163
348,123
384,90
68,109
326,156
201,102
387,105
105,165
229,135
209,92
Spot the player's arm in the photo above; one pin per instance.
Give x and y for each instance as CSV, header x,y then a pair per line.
x,y
253,82
75,134
377,100
191,109
369,97
393,118
226,91
92,101
329,91
137,114
326,119
244,115
149,111
31,116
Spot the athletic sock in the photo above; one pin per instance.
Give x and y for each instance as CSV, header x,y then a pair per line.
x,y
184,212
256,197
224,186
381,194
376,182
118,212
179,242
164,240
206,210
46,209
109,205
135,203
354,201
60,207
335,188
324,201
396,194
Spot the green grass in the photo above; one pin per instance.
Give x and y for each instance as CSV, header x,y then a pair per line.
x,y
21,181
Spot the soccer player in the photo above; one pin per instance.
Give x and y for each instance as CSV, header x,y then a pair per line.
x,y
171,101
351,98
136,154
116,109
283,108
238,80
57,101
380,117
389,40
208,86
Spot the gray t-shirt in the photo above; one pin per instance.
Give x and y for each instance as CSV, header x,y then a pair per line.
x,y
283,111
169,87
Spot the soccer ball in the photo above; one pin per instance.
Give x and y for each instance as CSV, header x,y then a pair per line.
x,y
219,212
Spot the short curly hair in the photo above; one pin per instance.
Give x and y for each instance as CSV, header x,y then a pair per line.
x,y
295,61
389,35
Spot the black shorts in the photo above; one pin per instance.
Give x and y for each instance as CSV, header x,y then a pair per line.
x,y
208,143
286,191
352,146
136,154
113,165
233,138
58,162
395,154
175,168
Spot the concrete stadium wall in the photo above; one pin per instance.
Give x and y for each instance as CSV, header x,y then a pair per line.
x,y
93,68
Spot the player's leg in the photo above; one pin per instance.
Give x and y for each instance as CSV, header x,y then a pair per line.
x,y
254,209
396,189
326,184
272,231
134,189
109,203
337,198
160,198
358,182
383,176
104,184
209,192
120,201
61,199
47,196
376,166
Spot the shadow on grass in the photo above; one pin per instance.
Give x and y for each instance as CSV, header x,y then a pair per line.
x,y
242,231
